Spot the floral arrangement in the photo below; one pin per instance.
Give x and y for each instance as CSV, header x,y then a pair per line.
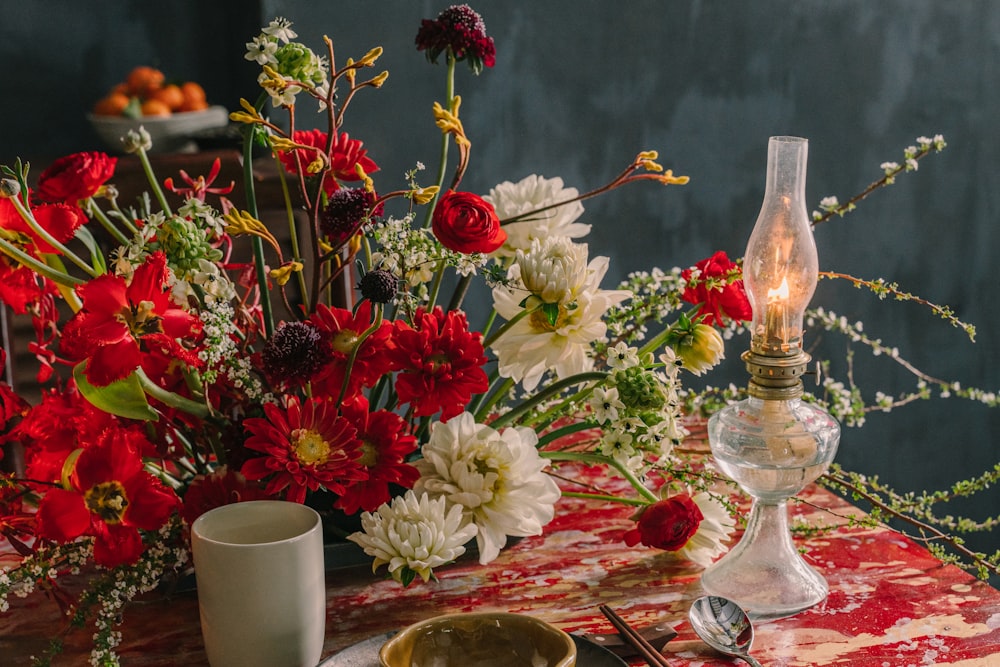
x,y
171,385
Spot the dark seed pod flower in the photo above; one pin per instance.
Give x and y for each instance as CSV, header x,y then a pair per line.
x,y
295,353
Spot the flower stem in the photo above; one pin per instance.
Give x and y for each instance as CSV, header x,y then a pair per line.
x,y
153,183
599,459
27,216
443,165
551,390
256,242
94,210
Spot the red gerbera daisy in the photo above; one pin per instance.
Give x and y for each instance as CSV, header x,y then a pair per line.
x,y
110,497
343,329
385,444
440,362
117,316
305,447
345,154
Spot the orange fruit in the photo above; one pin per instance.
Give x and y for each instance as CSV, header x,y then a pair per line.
x,y
143,80
170,95
112,104
153,107
193,93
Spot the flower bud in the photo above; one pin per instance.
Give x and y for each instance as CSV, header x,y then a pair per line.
x,y
9,188
699,347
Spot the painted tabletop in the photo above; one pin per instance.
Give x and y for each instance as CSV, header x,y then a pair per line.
x,y
890,605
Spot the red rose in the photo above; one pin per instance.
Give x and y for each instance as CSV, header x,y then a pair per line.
x,y
719,290
74,177
467,223
667,524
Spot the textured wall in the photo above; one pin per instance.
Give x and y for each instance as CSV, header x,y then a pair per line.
x,y
580,86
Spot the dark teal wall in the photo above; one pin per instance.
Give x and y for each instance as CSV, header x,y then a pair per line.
x,y
581,86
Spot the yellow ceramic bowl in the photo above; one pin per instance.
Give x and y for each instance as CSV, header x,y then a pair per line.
x,y
461,640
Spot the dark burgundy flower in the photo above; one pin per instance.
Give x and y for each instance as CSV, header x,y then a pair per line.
x,y
345,212
462,31
295,352
379,286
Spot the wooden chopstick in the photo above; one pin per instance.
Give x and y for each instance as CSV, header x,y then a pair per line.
x,y
652,656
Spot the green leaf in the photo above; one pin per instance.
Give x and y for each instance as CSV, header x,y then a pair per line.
x,y
96,255
124,398
551,311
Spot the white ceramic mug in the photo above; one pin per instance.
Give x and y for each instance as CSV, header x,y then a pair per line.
x,y
261,586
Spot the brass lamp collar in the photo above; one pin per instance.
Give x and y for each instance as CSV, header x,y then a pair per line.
x,y
776,373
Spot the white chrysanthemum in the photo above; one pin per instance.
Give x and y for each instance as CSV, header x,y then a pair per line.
x,y
497,477
713,531
413,533
529,194
554,269
535,344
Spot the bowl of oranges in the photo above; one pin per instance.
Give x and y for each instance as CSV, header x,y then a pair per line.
x,y
172,112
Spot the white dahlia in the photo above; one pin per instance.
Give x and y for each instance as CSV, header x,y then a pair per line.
x,y
497,477
533,192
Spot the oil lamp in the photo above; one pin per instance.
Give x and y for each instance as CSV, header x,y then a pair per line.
x,y
773,443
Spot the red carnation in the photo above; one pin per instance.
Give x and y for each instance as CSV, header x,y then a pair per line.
x,y
718,289
74,177
666,524
440,362
467,223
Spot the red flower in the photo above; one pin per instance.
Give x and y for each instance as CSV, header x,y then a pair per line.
x,y
110,497
202,185
59,220
385,444
117,317
667,524
440,362
345,154
74,177
305,447
63,422
462,31
222,487
718,289
343,328
467,223
17,522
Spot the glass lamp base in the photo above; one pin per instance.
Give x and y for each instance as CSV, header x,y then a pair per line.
x,y
764,573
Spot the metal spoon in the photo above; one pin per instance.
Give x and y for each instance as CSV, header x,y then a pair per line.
x,y
723,625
